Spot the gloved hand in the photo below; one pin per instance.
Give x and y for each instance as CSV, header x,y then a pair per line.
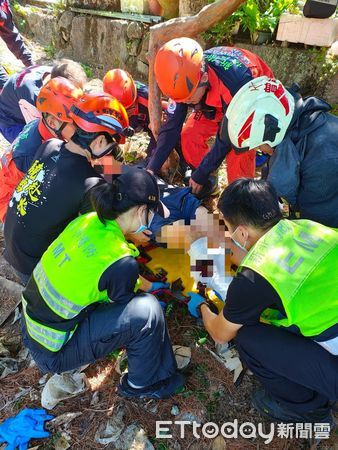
x,y
156,285
28,424
194,302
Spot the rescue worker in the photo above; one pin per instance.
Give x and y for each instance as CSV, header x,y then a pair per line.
x,y
54,102
207,81
301,137
10,34
26,85
134,97
56,187
281,307
81,302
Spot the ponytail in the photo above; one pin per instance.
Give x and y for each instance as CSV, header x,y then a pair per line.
x,y
102,200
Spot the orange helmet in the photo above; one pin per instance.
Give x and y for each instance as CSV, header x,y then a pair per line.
x,y
100,112
120,84
56,98
178,65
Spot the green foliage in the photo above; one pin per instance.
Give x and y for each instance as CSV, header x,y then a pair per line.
x,y
253,16
58,7
50,50
334,109
88,70
19,9
328,61
159,445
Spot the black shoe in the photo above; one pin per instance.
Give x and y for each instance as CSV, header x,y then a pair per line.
x,y
271,408
163,389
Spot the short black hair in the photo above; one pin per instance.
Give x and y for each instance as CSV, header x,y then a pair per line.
x,y
250,202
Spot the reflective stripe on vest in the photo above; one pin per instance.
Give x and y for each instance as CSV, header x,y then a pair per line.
x,y
50,338
299,260
56,302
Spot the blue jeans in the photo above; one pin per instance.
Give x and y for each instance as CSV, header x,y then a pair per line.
x,y
138,325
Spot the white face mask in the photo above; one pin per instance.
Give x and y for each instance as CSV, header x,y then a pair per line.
x,y
240,246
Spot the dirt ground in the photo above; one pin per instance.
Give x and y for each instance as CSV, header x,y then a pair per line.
x,y
209,396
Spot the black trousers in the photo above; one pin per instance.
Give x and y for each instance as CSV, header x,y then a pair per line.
x,y
138,325
295,370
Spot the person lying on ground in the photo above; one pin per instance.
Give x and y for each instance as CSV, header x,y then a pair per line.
x,y
285,329
82,300
26,85
301,137
56,187
13,39
54,102
207,81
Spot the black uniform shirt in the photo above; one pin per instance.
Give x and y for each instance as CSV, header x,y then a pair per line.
x,y
52,193
250,294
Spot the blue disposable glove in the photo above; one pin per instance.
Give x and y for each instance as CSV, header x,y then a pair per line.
x,y
194,302
28,424
155,285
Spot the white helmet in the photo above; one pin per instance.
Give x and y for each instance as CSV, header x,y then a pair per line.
x,y
259,113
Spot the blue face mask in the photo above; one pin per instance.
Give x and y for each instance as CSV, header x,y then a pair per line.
x,y
238,245
142,227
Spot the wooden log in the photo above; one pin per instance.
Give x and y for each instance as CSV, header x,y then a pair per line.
x,y
189,26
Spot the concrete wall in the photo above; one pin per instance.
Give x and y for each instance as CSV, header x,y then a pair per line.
x,y
104,44
303,66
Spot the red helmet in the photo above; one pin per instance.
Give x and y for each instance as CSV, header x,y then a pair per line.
x,y
120,84
57,96
98,111
178,65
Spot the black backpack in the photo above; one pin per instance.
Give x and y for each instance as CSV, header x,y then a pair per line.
x,y
320,9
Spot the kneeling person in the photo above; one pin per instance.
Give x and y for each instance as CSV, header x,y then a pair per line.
x,y
81,302
282,305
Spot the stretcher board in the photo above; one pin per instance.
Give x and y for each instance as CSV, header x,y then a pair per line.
x,y
175,262
177,265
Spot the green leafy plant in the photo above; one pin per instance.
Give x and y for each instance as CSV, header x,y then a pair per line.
x,y
253,16
50,50
88,70
58,7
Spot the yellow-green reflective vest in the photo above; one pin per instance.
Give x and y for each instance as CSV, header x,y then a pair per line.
x,y
68,274
299,259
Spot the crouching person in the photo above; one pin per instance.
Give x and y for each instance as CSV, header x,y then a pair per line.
x,y
81,302
281,307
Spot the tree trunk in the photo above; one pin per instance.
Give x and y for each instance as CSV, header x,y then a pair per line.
x,y
191,7
181,26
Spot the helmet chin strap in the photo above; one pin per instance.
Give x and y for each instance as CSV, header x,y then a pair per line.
x,y
84,142
57,132
109,150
